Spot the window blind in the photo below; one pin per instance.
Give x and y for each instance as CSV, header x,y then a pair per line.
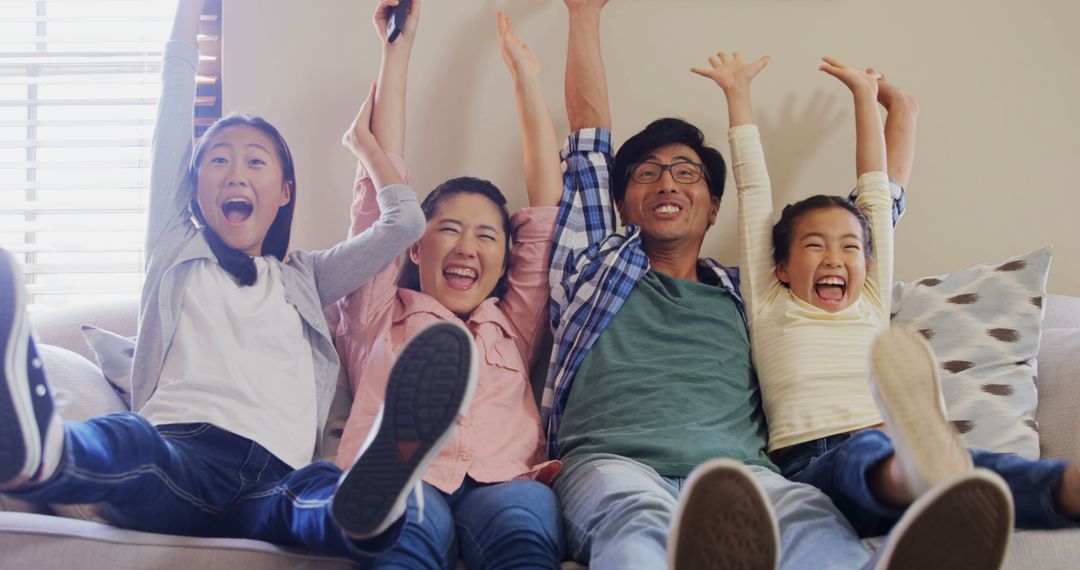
x,y
79,81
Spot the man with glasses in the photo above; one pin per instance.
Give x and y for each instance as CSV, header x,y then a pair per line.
x,y
651,373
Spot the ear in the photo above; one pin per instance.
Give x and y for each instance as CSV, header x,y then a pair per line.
x,y
414,253
286,194
714,209
782,273
621,208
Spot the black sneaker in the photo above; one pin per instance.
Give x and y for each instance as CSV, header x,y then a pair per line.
x,y
30,431
431,384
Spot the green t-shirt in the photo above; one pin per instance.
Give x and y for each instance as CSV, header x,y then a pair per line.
x,y
669,383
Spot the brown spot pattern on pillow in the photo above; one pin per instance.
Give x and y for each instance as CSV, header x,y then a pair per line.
x,y
1004,335
963,426
1013,266
957,366
998,389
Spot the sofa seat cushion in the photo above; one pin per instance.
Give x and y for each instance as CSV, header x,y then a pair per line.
x,y
43,541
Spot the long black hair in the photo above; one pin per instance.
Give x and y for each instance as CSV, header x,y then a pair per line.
x,y
276,242
410,272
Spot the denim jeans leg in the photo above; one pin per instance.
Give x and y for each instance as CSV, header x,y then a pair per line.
x,y
843,471
424,544
616,512
1032,484
293,508
813,533
147,481
515,524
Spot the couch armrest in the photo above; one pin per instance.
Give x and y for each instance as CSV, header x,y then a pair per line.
x,y
1059,394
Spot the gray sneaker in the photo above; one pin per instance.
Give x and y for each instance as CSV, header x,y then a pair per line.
x,y
724,520
907,388
430,385
965,523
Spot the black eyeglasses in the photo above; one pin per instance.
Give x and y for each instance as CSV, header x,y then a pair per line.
x,y
683,172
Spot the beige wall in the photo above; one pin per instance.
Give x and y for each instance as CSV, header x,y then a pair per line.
x,y
997,81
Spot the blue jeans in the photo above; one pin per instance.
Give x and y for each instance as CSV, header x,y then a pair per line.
x,y
501,525
840,466
198,480
617,513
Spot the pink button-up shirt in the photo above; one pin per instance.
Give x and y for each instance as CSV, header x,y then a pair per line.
x,y
499,437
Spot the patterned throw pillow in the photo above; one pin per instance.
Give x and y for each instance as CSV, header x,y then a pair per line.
x,y
114,354
984,324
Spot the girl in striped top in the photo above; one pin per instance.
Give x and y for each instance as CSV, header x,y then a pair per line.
x,y
817,292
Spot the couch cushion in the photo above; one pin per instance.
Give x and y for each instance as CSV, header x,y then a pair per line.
x,y
42,541
1059,393
984,325
1062,312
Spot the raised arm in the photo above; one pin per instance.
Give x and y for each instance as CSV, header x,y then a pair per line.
x,y
363,144
388,119
869,136
170,192
900,123
873,195
543,177
734,76
586,88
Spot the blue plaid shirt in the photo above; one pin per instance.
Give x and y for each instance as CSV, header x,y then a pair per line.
x,y
594,267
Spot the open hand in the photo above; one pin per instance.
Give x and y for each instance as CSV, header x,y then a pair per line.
x,y
731,72
358,138
382,17
857,81
518,57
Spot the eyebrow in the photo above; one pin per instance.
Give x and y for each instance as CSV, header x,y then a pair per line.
x,y
823,236
680,158
456,222
249,145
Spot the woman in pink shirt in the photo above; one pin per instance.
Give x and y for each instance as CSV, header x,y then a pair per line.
x,y
486,495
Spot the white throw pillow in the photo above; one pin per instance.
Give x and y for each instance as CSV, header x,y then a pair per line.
x,y
115,355
984,325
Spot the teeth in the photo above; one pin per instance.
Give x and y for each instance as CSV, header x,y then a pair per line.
x,y
462,272
668,209
830,281
243,201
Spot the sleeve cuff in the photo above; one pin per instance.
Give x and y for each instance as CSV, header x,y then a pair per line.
x,y
393,195
181,50
590,140
531,225
397,161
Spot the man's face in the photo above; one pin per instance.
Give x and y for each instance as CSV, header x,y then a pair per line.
x,y
668,211
826,266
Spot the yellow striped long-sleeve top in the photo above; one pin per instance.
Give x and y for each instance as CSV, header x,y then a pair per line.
x,y
811,364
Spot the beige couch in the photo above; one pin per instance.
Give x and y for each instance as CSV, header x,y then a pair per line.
x,y
31,538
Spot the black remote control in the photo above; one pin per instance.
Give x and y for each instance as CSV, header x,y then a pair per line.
x,y
396,22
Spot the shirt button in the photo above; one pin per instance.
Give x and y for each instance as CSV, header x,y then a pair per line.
x,y
465,456
464,423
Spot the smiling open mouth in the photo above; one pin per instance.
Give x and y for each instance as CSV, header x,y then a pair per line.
x,y
237,210
667,209
459,277
830,289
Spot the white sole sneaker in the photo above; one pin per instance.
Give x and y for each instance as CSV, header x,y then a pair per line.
x,y
30,431
965,522
907,388
724,520
430,385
